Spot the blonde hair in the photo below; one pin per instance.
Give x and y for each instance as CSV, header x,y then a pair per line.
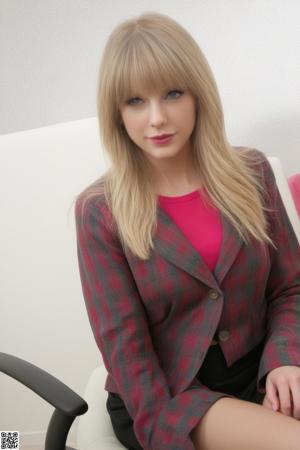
x,y
155,49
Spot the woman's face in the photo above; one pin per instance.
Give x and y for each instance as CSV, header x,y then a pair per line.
x,y
169,112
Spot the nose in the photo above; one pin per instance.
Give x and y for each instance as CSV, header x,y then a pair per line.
x,y
157,114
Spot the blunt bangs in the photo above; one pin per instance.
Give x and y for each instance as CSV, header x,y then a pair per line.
x,y
145,66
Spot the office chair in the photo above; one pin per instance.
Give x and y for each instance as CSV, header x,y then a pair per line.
x,y
95,431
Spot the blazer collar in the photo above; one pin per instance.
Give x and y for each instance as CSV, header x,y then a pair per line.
x,y
172,243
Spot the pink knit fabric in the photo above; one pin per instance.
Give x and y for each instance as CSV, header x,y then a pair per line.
x,y
200,222
294,184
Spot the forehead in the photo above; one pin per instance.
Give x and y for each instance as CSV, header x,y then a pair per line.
x,y
145,90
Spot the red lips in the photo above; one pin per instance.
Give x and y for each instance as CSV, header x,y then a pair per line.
x,y
163,139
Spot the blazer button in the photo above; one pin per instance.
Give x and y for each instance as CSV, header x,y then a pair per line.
x,y
213,294
224,335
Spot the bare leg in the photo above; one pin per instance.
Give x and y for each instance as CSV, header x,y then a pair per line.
x,y
233,424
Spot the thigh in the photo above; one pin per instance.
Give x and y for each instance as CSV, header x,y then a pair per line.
x,y
121,421
233,424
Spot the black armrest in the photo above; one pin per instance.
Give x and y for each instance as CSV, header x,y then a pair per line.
x,y
45,385
68,404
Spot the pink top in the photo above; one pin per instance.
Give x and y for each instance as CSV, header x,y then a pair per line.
x,y
200,222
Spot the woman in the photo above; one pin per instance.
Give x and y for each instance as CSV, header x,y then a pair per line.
x,y
189,264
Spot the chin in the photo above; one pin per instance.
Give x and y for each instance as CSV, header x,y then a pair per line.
x,y
160,153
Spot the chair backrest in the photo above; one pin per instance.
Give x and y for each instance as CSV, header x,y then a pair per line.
x,y
285,193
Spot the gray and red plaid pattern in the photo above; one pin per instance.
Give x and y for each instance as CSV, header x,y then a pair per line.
x,y
154,320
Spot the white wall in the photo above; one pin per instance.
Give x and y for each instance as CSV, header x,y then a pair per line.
x,y
49,53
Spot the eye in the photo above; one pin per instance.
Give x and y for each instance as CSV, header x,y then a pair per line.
x,y
176,90
131,101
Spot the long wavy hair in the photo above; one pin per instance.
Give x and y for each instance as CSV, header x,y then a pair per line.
x,y
157,51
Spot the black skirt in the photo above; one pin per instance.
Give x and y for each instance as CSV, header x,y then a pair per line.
x,y
238,380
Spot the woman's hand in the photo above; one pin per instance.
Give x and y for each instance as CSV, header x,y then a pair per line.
x,y
283,391
266,403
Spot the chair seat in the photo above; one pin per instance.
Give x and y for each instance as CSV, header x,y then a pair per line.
x,y
95,430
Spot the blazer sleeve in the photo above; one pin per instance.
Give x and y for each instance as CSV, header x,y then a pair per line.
x,y
119,323
282,344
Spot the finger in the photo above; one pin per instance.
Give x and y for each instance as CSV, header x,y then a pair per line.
x,y
272,395
285,398
266,403
295,394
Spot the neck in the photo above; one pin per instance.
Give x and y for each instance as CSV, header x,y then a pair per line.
x,y
177,181
175,176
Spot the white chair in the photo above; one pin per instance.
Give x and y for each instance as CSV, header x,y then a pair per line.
x,y
94,430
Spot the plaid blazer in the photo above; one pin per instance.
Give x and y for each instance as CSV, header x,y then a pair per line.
x,y
154,320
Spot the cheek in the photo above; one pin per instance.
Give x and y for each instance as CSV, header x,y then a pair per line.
x,y
187,116
133,124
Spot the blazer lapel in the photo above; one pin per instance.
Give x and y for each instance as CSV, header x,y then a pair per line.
x,y
173,245
231,245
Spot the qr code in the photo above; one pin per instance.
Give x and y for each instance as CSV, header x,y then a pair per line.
x,y
10,439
